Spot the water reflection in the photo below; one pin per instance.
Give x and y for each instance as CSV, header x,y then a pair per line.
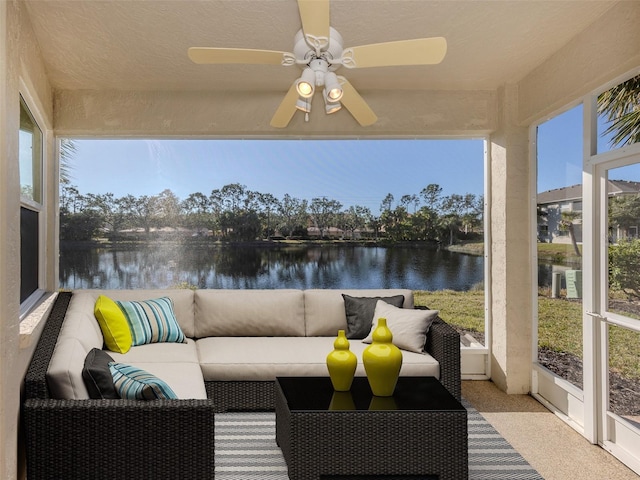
x,y
165,265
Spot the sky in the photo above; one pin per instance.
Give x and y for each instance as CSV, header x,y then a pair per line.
x,y
560,152
353,172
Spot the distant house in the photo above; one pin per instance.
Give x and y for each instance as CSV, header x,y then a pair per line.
x,y
553,203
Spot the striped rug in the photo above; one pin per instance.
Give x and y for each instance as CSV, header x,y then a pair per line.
x,y
246,449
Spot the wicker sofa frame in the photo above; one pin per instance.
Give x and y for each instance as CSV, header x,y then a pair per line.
x,y
443,344
162,439
106,439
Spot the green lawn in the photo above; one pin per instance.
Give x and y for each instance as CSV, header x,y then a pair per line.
x,y
464,309
558,253
559,325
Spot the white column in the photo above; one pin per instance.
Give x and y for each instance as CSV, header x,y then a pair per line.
x,y
510,248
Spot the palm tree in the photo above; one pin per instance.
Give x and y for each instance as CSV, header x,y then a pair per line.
x,y
567,225
621,107
67,152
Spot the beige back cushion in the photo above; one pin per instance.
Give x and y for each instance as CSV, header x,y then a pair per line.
x,y
324,309
182,302
80,333
80,322
249,313
64,374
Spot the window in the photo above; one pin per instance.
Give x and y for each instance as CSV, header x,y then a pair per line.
x,y
559,292
31,171
30,156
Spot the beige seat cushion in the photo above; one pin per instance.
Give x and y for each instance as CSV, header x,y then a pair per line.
x,y
264,358
185,379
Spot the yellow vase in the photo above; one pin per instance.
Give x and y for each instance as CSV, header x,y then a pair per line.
x,y
342,401
341,363
382,403
382,361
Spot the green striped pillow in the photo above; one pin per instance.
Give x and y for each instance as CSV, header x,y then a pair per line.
x,y
135,384
152,321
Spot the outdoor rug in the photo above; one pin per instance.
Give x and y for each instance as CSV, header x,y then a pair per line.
x,y
246,449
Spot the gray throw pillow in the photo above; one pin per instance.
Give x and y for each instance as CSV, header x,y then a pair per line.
x,y
97,375
360,311
408,327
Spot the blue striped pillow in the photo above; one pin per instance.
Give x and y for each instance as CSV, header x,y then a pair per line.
x,y
152,321
135,384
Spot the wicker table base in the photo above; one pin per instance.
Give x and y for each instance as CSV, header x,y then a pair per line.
x,y
420,432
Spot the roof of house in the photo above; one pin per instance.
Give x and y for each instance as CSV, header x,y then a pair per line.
x,y
574,192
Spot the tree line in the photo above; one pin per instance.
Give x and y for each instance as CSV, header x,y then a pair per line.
x,y
236,213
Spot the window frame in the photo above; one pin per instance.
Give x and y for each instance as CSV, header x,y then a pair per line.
x,y
40,207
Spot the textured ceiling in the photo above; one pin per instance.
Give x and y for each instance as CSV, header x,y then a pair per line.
x,y
142,44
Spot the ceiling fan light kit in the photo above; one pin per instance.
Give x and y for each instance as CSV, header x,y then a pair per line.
x,y
330,106
306,84
303,104
318,50
332,87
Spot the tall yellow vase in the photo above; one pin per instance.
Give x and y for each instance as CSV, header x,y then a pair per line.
x,y
341,363
382,361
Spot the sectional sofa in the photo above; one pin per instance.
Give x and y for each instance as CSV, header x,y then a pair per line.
x,y
237,342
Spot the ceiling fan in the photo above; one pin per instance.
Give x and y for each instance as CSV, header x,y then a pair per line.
x,y
318,51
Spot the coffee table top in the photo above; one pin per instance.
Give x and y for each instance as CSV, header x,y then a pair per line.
x,y
411,394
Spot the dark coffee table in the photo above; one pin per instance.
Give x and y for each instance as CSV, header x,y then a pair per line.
x,y
419,433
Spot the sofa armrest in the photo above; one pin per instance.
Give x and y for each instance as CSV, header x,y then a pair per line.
x,y
443,344
35,380
106,439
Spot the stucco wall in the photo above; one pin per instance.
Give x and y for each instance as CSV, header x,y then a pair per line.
x,y
90,113
19,61
608,48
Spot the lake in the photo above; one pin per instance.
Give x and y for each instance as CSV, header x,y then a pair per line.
x,y
165,265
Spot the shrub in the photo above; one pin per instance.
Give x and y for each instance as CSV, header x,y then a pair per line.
x,y
624,267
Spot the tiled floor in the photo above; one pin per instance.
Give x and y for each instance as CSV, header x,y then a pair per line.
x,y
553,448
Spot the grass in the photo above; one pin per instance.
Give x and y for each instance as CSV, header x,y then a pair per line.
x,y
471,248
464,309
557,253
559,325
560,329
624,352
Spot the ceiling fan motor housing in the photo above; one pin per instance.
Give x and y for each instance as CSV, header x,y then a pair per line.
x,y
309,49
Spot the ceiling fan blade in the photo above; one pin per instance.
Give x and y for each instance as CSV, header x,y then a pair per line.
x,y
314,15
236,55
287,108
419,51
356,105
